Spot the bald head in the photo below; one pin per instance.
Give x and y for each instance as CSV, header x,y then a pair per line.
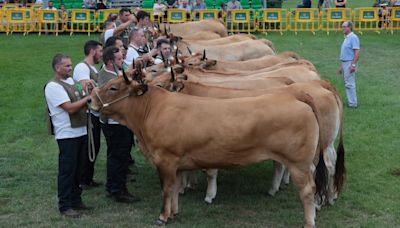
x,y
347,27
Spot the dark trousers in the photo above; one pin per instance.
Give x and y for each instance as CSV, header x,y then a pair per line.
x,y
119,144
69,171
87,165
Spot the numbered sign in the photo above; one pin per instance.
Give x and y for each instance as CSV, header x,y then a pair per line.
x,y
48,16
396,14
304,16
80,16
176,16
336,15
240,16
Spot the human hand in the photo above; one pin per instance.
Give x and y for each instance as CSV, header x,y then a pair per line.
x,y
352,69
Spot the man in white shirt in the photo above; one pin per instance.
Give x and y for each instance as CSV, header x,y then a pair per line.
x,y
113,30
50,6
137,40
86,73
66,103
118,137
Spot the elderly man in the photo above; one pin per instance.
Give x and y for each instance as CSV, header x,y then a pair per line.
x,y
137,41
118,137
349,55
66,104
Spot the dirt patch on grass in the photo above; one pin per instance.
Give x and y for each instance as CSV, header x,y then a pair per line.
x,y
395,172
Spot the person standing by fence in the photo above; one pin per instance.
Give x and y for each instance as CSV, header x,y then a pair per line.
x,y
349,55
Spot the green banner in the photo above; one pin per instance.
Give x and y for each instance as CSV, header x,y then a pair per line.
x,y
177,16
304,15
337,15
49,16
397,13
272,16
240,16
28,14
209,15
81,16
368,14
17,16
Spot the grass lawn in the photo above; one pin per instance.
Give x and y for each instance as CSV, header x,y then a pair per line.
x,y
28,156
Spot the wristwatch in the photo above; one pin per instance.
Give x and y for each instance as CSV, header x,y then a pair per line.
x,y
353,65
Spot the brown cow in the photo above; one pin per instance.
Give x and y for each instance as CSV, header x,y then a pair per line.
x,y
189,28
326,100
229,135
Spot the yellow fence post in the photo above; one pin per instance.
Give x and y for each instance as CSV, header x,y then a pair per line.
x,y
176,16
3,21
395,19
306,20
81,21
239,21
366,19
49,21
272,20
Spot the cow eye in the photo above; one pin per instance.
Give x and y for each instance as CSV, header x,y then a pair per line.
x,y
154,71
113,88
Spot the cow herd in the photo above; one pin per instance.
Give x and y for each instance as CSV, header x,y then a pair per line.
x,y
224,101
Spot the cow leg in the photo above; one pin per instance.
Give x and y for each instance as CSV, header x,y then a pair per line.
x,y
175,194
192,179
184,180
304,181
330,162
211,185
286,177
167,175
279,169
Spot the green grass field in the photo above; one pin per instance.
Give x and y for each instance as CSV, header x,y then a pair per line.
x,y
28,156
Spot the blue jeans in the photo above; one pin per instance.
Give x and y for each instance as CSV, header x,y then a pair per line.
x,y
71,154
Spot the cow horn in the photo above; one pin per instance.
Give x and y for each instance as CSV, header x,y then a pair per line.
x,y
176,55
172,76
204,55
125,77
133,63
169,28
190,51
165,30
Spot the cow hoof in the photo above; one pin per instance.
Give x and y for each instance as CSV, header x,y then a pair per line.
x,y
272,192
160,222
208,200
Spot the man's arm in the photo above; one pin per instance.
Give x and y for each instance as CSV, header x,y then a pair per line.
x,y
124,26
356,56
74,107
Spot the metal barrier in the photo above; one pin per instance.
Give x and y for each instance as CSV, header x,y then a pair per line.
x,y
176,16
3,21
331,19
395,19
18,20
241,21
50,21
304,20
11,6
81,21
272,20
366,19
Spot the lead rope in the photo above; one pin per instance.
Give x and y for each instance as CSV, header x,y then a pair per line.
x,y
91,147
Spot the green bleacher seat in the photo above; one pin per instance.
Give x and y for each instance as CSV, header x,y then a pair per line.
x,y
245,4
210,4
148,4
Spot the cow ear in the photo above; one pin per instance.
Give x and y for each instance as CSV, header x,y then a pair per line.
x,y
139,90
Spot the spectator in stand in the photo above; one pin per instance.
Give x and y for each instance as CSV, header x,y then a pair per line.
x,y
395,3
50,6
197,6
340,3
185,5
88,4
305,4
158,9
233,4
171,3
39,2
101,5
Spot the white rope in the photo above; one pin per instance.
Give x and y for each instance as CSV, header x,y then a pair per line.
x,y
91,146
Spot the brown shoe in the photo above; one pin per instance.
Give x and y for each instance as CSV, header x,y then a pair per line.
x,y
70,213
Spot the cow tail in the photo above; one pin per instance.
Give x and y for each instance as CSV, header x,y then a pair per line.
x,y
340,168
321,172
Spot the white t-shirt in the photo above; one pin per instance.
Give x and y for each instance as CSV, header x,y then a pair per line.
x,y
55,96
131,54
39,2
82,72
52,8
108,34
157,61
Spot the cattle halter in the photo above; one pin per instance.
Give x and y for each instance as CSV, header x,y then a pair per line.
x,y
105,105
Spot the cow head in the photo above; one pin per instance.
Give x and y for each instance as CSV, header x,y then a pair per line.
x,y
198,60
168,81
108,98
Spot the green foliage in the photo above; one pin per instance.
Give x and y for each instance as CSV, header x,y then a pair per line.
x,y
28,156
